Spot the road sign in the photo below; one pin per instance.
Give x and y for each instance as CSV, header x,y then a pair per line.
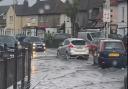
x,y
106,15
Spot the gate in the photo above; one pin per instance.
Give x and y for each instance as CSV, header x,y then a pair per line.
x,y
15,68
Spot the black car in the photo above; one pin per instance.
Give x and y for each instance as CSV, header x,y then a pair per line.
x,y
34,42
10,41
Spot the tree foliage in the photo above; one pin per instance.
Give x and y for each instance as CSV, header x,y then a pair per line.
x,y
72,11
72,8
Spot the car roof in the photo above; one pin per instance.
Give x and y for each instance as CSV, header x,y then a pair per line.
x,y
111,40
71,39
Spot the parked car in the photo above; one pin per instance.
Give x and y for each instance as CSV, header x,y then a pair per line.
x,y
35,42
111,53
10,41
126,82
73,47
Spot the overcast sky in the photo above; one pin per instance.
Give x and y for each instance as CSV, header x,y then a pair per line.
x,y
8,2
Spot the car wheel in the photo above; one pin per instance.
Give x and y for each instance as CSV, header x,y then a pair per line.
x,y
67,57
58,54
103,66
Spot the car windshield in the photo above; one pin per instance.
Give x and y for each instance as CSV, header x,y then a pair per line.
x,y
34,39
96,35
7,39
114,45
78,42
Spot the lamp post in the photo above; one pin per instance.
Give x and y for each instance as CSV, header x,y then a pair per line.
x,y
106,17
14,8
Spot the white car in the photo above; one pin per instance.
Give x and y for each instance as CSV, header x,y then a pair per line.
x,y
73,47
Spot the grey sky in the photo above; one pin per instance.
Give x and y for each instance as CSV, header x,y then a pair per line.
x,y
8,2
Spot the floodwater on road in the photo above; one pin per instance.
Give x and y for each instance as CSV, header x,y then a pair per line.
x,y
49,72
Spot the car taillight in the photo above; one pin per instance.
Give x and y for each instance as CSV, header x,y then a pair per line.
x,y
71,46
88,46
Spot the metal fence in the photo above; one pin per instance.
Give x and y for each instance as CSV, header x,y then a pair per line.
x,y
15,70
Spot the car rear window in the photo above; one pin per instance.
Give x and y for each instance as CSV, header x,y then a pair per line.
x,y
114,45
78,42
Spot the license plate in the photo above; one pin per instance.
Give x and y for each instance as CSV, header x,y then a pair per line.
x,y
114,54
114,63
79,47
39,47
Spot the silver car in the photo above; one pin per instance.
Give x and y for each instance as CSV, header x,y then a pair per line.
x,y
73,47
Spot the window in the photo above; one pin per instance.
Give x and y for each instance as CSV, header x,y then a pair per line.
x,y
66,42
89,37
123,14
11,19
43,19
78,42
113,45
111,10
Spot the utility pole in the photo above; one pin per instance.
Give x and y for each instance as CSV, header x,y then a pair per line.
x,y
14,17
106,17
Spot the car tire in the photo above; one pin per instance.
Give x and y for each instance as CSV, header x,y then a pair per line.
x,y
103,66
67,56
58,54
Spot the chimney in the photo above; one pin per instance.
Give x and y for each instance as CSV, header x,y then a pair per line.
x,y
25,3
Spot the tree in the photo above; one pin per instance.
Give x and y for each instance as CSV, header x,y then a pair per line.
x,y
72,11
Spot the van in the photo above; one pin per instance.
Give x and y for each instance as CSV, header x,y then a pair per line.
x,y
92,38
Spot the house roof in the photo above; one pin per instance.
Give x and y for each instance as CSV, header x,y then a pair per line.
x,y
40,7
47,7
21,10
3,10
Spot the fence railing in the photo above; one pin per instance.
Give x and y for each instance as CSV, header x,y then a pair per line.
x,y
15,68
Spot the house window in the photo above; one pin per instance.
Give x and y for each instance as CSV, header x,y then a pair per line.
x,y
43,19
111,10
123,14
11,19
90,13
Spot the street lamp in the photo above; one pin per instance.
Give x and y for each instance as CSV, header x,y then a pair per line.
x,y
14,8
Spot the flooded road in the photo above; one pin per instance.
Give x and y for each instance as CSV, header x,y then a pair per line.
x,y
49,72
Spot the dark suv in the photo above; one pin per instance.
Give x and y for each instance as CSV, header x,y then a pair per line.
x,y
35,42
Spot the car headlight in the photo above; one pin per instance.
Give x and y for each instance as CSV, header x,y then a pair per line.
x,y
43,44
34,44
